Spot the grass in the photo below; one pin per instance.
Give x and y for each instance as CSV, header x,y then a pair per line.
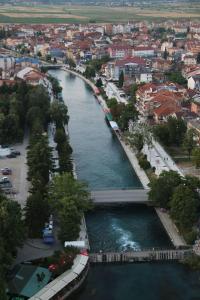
x,y
83,14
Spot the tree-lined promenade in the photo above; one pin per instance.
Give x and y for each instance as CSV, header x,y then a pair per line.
x,y
64,197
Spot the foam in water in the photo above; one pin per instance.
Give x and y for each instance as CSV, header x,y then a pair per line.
x,y
125,240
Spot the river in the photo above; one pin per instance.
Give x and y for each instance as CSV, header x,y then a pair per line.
x,y
102,163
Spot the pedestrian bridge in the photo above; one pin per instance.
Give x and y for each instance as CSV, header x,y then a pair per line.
x,y
138,196
139,256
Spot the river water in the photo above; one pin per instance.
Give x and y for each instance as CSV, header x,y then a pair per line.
x,y
102,163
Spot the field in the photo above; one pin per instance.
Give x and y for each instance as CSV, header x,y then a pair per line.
x,y
85,14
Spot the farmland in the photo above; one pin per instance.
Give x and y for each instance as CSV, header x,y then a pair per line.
x,y
85,14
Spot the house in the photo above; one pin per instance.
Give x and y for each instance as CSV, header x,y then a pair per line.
x,y
119,51
128,65
195,105
194,82
31,76
189,59
159,100
143,51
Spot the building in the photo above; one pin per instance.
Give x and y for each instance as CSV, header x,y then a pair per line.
x,y
31,76
143,51
120,51
194,82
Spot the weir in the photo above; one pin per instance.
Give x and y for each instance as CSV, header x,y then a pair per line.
x,y
139,256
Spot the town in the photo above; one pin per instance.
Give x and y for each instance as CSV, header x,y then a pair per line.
x,y
59,166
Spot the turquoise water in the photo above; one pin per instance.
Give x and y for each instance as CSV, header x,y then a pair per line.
x,y
101,162
124,228
141,281
100,159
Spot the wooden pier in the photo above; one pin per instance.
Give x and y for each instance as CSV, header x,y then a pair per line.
x,y
139,256
137,196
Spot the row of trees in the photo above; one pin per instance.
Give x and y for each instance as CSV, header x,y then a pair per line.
x,y
172,132
12,236
69,199
59,116
181,196
13,109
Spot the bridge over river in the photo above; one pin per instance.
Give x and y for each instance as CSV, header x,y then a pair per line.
x,y
137,196
140,256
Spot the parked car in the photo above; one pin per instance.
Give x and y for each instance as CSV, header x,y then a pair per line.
x,y
11,155
15,152
4,180
6,171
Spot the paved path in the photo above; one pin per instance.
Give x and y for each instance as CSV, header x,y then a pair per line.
x,y
170,227
160,159
22,194
34,249
139,196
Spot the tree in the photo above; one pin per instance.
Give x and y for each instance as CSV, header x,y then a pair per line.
x,y
69,200
89,72
39,161
69,220
37,212
11,237
48,57
135,140
71,63
177,129
189,142
99,83
133,91
59,113
176,77
165,54
183,207
128,113
121,79
65,185
162,188
196,157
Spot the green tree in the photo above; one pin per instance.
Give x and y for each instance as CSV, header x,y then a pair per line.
x,y
128,113
59,113
37,212
121,79
71,63
196,157
165,54
176,77
89,72
69,200
189,141
99,83
183,207
162,188
69,220
11,237
48,57
135,139
39,161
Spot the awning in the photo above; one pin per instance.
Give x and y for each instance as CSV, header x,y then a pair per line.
x,y
114,125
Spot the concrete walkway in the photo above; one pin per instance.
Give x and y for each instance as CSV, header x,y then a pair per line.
x,y
171,229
